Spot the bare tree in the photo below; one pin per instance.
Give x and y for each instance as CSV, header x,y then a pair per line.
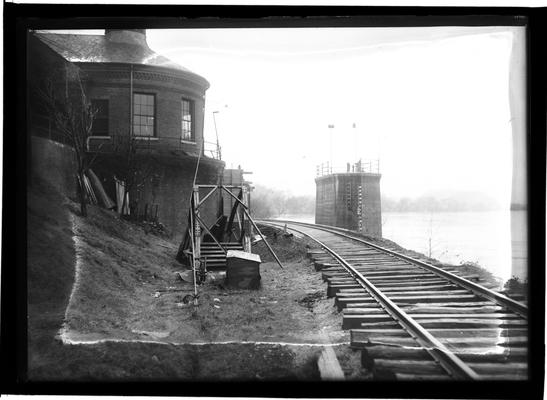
x,y
137,167
73,116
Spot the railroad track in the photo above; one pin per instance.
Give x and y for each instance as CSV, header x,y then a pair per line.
x,y
413,320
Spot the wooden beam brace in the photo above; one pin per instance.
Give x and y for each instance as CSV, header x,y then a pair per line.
x,y
263,238
200,221
206,197
231,194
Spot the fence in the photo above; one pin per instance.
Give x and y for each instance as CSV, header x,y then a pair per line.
x,y
108,144
367,166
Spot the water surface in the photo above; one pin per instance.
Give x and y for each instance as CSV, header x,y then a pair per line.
x,y
496,240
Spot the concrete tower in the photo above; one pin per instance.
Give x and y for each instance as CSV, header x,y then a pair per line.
x,y
350,199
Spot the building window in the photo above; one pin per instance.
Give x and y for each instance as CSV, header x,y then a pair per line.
x,y
187,107
100,123
144,113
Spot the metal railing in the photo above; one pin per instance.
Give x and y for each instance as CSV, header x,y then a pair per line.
x,y
367,166
109,144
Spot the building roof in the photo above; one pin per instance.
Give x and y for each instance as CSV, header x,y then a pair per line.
x,y
98,49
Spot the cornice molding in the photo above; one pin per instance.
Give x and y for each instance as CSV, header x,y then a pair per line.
x,y
120,78
146,72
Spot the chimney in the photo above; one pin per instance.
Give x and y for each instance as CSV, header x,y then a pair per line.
x,y
129,36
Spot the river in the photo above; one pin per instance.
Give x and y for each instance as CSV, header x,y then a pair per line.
x,y
496,240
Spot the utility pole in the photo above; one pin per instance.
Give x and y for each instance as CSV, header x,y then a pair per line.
x,y
331,127
355,143
216,133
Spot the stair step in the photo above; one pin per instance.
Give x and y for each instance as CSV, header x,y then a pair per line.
x,y
222,243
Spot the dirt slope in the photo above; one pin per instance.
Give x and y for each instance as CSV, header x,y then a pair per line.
x,y
127,289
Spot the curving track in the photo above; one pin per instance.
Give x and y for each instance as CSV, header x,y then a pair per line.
x,y
413,320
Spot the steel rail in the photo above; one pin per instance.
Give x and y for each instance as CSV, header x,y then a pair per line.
x,y
453,365
517,307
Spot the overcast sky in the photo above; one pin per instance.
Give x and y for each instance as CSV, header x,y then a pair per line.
x,y
431,103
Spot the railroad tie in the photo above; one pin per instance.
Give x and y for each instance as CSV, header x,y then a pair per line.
x,y
416,321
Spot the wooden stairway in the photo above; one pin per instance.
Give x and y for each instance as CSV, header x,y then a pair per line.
x,y
216,259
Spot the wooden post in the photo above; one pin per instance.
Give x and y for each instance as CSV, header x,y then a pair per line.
x,y
329,367
246,222
197,228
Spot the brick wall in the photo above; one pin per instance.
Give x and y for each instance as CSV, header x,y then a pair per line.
x,y
170,186
112,82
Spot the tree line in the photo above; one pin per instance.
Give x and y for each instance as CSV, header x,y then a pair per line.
x,y
267,203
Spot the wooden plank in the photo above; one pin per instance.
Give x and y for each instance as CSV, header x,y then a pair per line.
x,y
482,332
341,280
354,288
463,315
319,266
425,282
368,306
378,325
495,368
392,341
402,277
461,304
350,321
333,274
428,292
513,341
329,367
433,298
414,377
409,366
479,355
362,335
370,353
467,334
394,272
504,377
413,288
451,310
341,302
469,323
342,295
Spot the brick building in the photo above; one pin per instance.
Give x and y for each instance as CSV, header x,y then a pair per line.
x,y
139,94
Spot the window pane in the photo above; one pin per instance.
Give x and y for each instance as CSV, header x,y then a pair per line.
x,y
143,114
186,119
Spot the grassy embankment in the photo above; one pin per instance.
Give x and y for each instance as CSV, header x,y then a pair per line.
x,y
127,289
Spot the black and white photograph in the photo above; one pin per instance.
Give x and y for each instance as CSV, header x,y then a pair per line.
x,y
273,201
